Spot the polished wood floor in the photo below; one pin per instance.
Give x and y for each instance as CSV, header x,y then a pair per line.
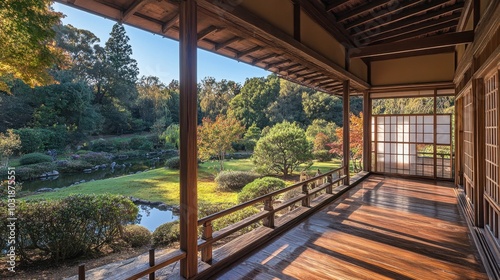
x,y
385,228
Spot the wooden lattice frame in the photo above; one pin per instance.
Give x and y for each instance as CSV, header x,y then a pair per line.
x,y
468,148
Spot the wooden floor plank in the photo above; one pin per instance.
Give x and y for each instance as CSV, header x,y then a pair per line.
x,y
385,228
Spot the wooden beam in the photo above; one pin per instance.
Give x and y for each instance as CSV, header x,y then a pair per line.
x,y
319,79
361,9
136,5
366,33
367,125
450,49
291,73
332,83
170,23
275,64
227,43
433,42
264,58
396,17
334,4
346,127
249,51
296,20
311,75
188,220
207,31
416,27
477,13
290,67
421,32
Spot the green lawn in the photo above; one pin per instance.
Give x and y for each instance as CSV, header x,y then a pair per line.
x,y
163,185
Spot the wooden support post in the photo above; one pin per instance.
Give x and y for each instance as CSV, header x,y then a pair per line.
x,y
329,180
188,39
306,201
81,272
206,252
346,127
434,155
152,263
367,126
268,206
479,151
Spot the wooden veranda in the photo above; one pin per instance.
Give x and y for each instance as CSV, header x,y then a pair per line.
x,y
375,49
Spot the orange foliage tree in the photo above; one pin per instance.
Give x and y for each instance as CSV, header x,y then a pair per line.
x,y
356,141
215,137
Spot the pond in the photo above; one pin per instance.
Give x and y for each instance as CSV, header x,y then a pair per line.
x,y
67,179
151,217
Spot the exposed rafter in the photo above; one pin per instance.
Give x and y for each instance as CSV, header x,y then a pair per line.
x,y
173,20
362,9
136,5
276,64
207,31
227,43
264,58
450,49
249,51
334,4
433,42
421,32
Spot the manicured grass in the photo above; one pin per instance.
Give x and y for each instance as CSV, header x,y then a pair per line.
x,y
163,185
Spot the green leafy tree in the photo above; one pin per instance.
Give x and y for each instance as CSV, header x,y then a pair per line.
x,y
172,136
288,105
9,143
255,96
215,96
251,137
26,41
152,102
321,126
323,106
215,137
282,149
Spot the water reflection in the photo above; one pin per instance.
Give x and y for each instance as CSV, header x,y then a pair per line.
x,y
151,217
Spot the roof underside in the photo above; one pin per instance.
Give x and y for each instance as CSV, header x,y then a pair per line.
x,y
231,31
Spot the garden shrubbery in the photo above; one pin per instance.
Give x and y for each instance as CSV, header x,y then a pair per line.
x,y
96,158
173,163
166,234
234,180
62,229
260,187
34,158
136,235
322,155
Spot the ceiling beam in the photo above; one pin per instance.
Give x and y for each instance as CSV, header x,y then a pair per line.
x,y
421,32
394,18
207,31
290,67
261,59
291,73
306,76
227,43
417,44
249,51
450,49
361,9
319,80
408,22
334,4
275,64
136,5
170,23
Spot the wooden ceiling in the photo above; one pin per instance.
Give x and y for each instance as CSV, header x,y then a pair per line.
x,y
231,31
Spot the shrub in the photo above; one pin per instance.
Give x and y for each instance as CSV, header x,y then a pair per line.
x,y
102,145
136,235
32,171
34,158
173,163
260,187
236,217
31,140
141,143
322,155
76,225
75,166
166,234
234,180
96,158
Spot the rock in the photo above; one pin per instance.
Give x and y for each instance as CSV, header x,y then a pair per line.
x,y
82,181
62,162
96,167
87,170
54,173
104,166
113,164
162,206
45,190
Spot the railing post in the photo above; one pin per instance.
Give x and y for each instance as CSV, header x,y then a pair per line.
x,y
329,180
268,206
152,263
81,272
206,252
306,201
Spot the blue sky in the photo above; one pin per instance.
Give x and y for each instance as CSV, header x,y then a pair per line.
x,y
158,56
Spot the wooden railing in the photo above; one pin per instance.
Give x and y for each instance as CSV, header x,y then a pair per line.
x,y
309,188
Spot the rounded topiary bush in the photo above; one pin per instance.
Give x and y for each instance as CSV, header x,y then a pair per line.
x,y
166,234
234,180
322,155
260,187
173,163
136,235
34,158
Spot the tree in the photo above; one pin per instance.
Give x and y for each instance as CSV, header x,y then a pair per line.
x,y
9,142
172,136
288,105
152,102
215,137
26,37
255,96
215,96
324,127
355,141
323,106
283,149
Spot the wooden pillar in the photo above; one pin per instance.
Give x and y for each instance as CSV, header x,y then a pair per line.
x,y
346,128
296,20
479,151
367,131
188,39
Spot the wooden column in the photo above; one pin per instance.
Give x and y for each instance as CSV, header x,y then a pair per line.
x,y
188,39
367,131
346,141
479,151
